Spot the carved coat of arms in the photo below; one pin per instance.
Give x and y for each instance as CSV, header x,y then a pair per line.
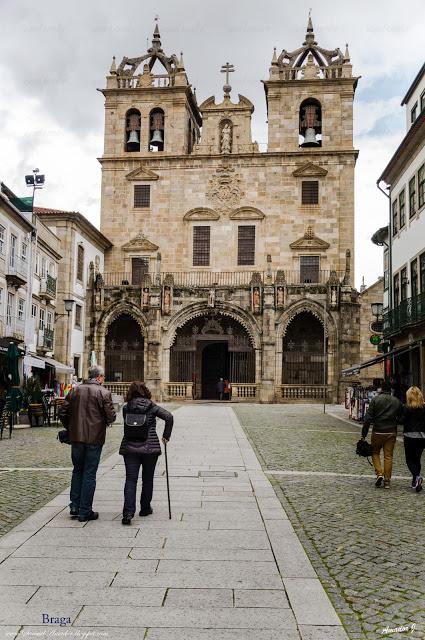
x,y
224,190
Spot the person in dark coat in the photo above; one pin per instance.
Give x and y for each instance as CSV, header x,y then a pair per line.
x,y
220,388
140,447
384,413
413,419
85,413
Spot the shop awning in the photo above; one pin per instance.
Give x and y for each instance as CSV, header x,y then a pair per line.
x,y
59,366
354,370
34,361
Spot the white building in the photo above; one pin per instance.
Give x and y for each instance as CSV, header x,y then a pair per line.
x,y
404,315
17,238
83,247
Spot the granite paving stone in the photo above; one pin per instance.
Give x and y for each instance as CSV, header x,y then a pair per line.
x,y
218,569
371,586
187,617
199,598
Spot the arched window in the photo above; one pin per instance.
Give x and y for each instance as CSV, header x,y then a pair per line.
x,y
132,130
226,136
156,130
310,127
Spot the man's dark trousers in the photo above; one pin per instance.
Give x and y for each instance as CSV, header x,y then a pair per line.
x,y
85,458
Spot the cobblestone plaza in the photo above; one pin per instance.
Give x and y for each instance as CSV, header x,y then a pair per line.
x,y
332,528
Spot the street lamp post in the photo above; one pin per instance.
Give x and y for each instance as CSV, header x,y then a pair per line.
x,y
69,306
36,181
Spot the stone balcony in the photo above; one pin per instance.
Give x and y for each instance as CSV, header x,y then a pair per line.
x,y
207,279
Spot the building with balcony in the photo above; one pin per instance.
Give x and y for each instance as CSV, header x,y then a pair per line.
x,y
404,243
17,237
227,261
82,247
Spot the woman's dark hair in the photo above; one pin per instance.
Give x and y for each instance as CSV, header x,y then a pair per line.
x,y
138,389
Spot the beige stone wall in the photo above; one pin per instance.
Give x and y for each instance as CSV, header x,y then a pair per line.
x,y
266,183
374,293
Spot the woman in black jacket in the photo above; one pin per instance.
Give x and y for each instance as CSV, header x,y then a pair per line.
x,y
413,418
140,446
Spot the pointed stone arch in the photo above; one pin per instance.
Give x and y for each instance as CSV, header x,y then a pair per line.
x,y
317,311
200,309
113,312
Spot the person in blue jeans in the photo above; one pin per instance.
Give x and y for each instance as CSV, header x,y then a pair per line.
x,y
86,413
140,447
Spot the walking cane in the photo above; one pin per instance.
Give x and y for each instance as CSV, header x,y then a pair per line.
x,y
168,482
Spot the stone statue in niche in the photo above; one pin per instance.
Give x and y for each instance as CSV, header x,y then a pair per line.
x,y
226,138
280,297
145,297
211,298
167,300
256,300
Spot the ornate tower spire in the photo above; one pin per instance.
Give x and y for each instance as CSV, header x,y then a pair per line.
x,y
113,68
346,54
156,40
309,36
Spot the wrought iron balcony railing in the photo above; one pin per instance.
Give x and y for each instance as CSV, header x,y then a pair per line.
x,y
409,312
48,287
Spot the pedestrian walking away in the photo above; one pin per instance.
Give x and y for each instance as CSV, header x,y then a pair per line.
x,y
86,412
220,388
140,447
384,413
413,419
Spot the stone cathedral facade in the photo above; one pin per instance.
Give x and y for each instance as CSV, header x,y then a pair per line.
x,y
228,261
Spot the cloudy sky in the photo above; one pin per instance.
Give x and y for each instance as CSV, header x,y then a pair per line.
x,y
54,54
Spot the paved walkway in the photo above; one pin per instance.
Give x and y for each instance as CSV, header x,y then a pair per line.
x,y
228,566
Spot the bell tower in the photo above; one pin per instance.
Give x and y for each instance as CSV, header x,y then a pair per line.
x,y
309,95
150,106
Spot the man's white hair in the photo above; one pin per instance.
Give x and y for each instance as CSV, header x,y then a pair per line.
x,y
95,371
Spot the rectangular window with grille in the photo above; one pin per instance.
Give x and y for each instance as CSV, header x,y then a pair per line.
x,y
310,192
396,290
422,271
421,186
402,208
201,246
78,314
142,196
414,113
246,245
395,217
309,269
139,269
403,283
80,264
412,196
414,278
21,309
2,240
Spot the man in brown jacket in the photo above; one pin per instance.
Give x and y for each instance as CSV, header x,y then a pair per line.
x,y
86,412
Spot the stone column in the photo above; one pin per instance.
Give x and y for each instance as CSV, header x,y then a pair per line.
x,y
267,381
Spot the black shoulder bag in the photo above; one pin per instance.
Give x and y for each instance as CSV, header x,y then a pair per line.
x,y
364,449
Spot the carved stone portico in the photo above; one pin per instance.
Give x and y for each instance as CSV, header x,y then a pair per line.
x,y
223,247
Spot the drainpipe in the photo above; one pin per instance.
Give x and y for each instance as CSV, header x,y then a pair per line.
x,y
390,256
390,244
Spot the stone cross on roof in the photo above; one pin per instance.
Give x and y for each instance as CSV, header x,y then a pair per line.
x,y
227,68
